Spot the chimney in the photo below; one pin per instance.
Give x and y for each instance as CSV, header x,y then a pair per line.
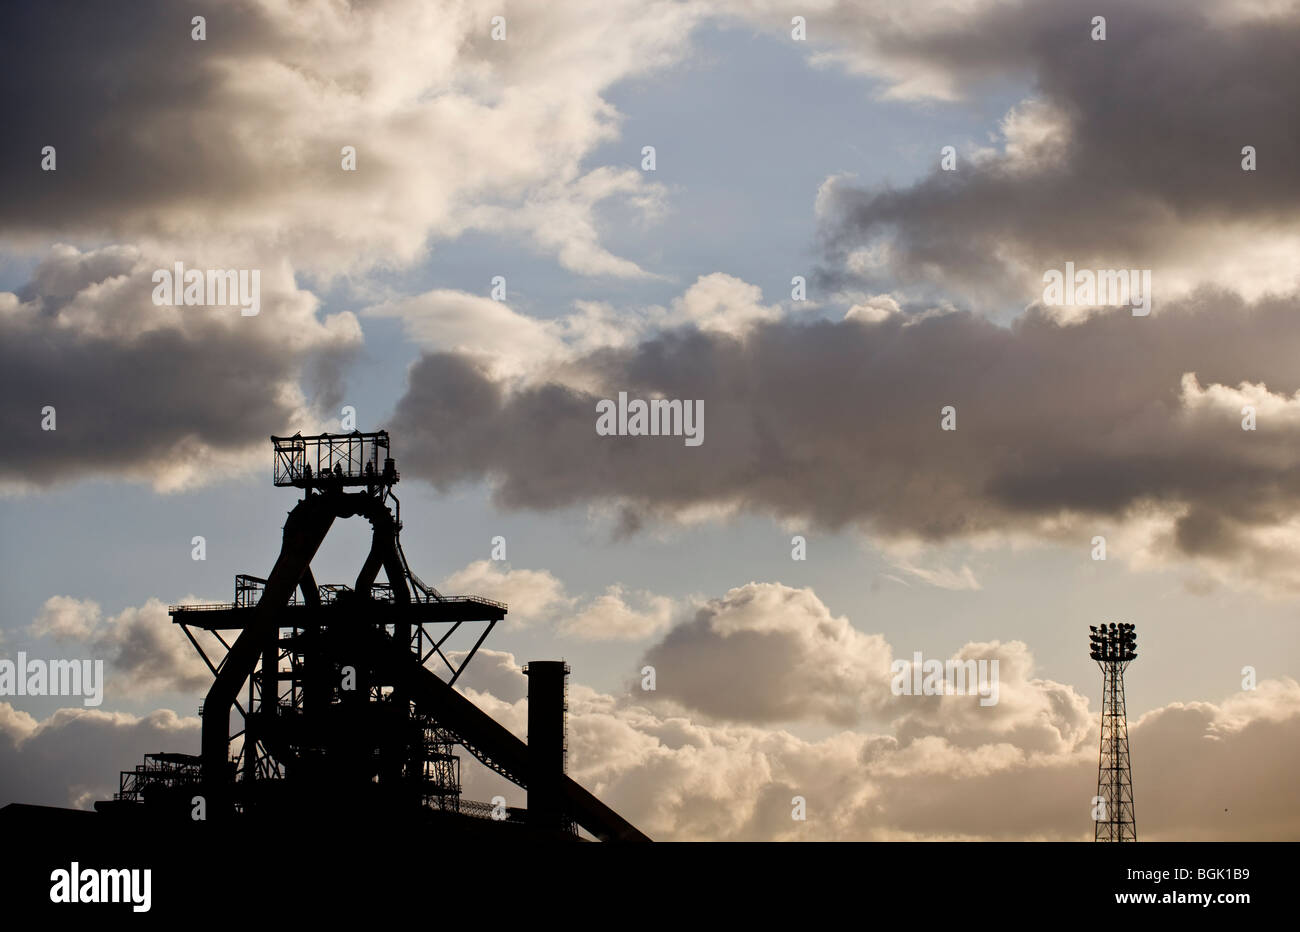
x,y
547,708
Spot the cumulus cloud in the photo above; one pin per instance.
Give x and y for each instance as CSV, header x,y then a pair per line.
x,y
1111,422
144,652
72,758
515,346
1023,770
226,153
509,342
533,595
239,138
719,303
620,614
171,395
537,596
765,652
907,49
1128,154
685,780
1031,713
1206,771
493,673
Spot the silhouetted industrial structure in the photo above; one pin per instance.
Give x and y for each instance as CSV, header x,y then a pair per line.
x,y
1114,648
335,704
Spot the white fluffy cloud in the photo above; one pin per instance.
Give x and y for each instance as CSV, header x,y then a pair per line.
x,y
620,614
765,652
537,596
514,346
533,595
144,652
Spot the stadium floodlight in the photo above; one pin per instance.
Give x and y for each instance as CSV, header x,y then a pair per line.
x,y
1114,646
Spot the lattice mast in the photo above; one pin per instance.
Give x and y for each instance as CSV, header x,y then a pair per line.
x,y
1114,647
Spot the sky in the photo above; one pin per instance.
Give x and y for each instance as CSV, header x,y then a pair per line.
x,y
775,156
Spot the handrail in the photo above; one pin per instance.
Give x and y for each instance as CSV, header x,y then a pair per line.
x,y
231,606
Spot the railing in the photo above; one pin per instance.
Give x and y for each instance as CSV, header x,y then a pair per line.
x,y
229,606
356,457
477,810
474,598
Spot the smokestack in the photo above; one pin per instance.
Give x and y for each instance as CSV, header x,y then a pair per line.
x,y
547,708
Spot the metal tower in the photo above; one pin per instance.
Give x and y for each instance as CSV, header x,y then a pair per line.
x,y
327,697
1114,647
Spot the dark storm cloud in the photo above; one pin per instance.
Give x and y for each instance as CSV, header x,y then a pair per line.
x,y
162,393
241,137
73,757
1151,123
839,423
123,406
126,98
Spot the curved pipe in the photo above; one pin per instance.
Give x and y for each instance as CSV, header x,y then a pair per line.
x,y
304,530
383,552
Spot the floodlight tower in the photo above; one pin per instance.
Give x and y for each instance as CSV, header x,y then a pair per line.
x,y
1114,647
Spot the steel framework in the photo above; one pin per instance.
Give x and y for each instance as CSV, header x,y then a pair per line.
x,y
1114,648
327,694
333,459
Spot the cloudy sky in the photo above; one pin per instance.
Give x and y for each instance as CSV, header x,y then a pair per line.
x,y
775,157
